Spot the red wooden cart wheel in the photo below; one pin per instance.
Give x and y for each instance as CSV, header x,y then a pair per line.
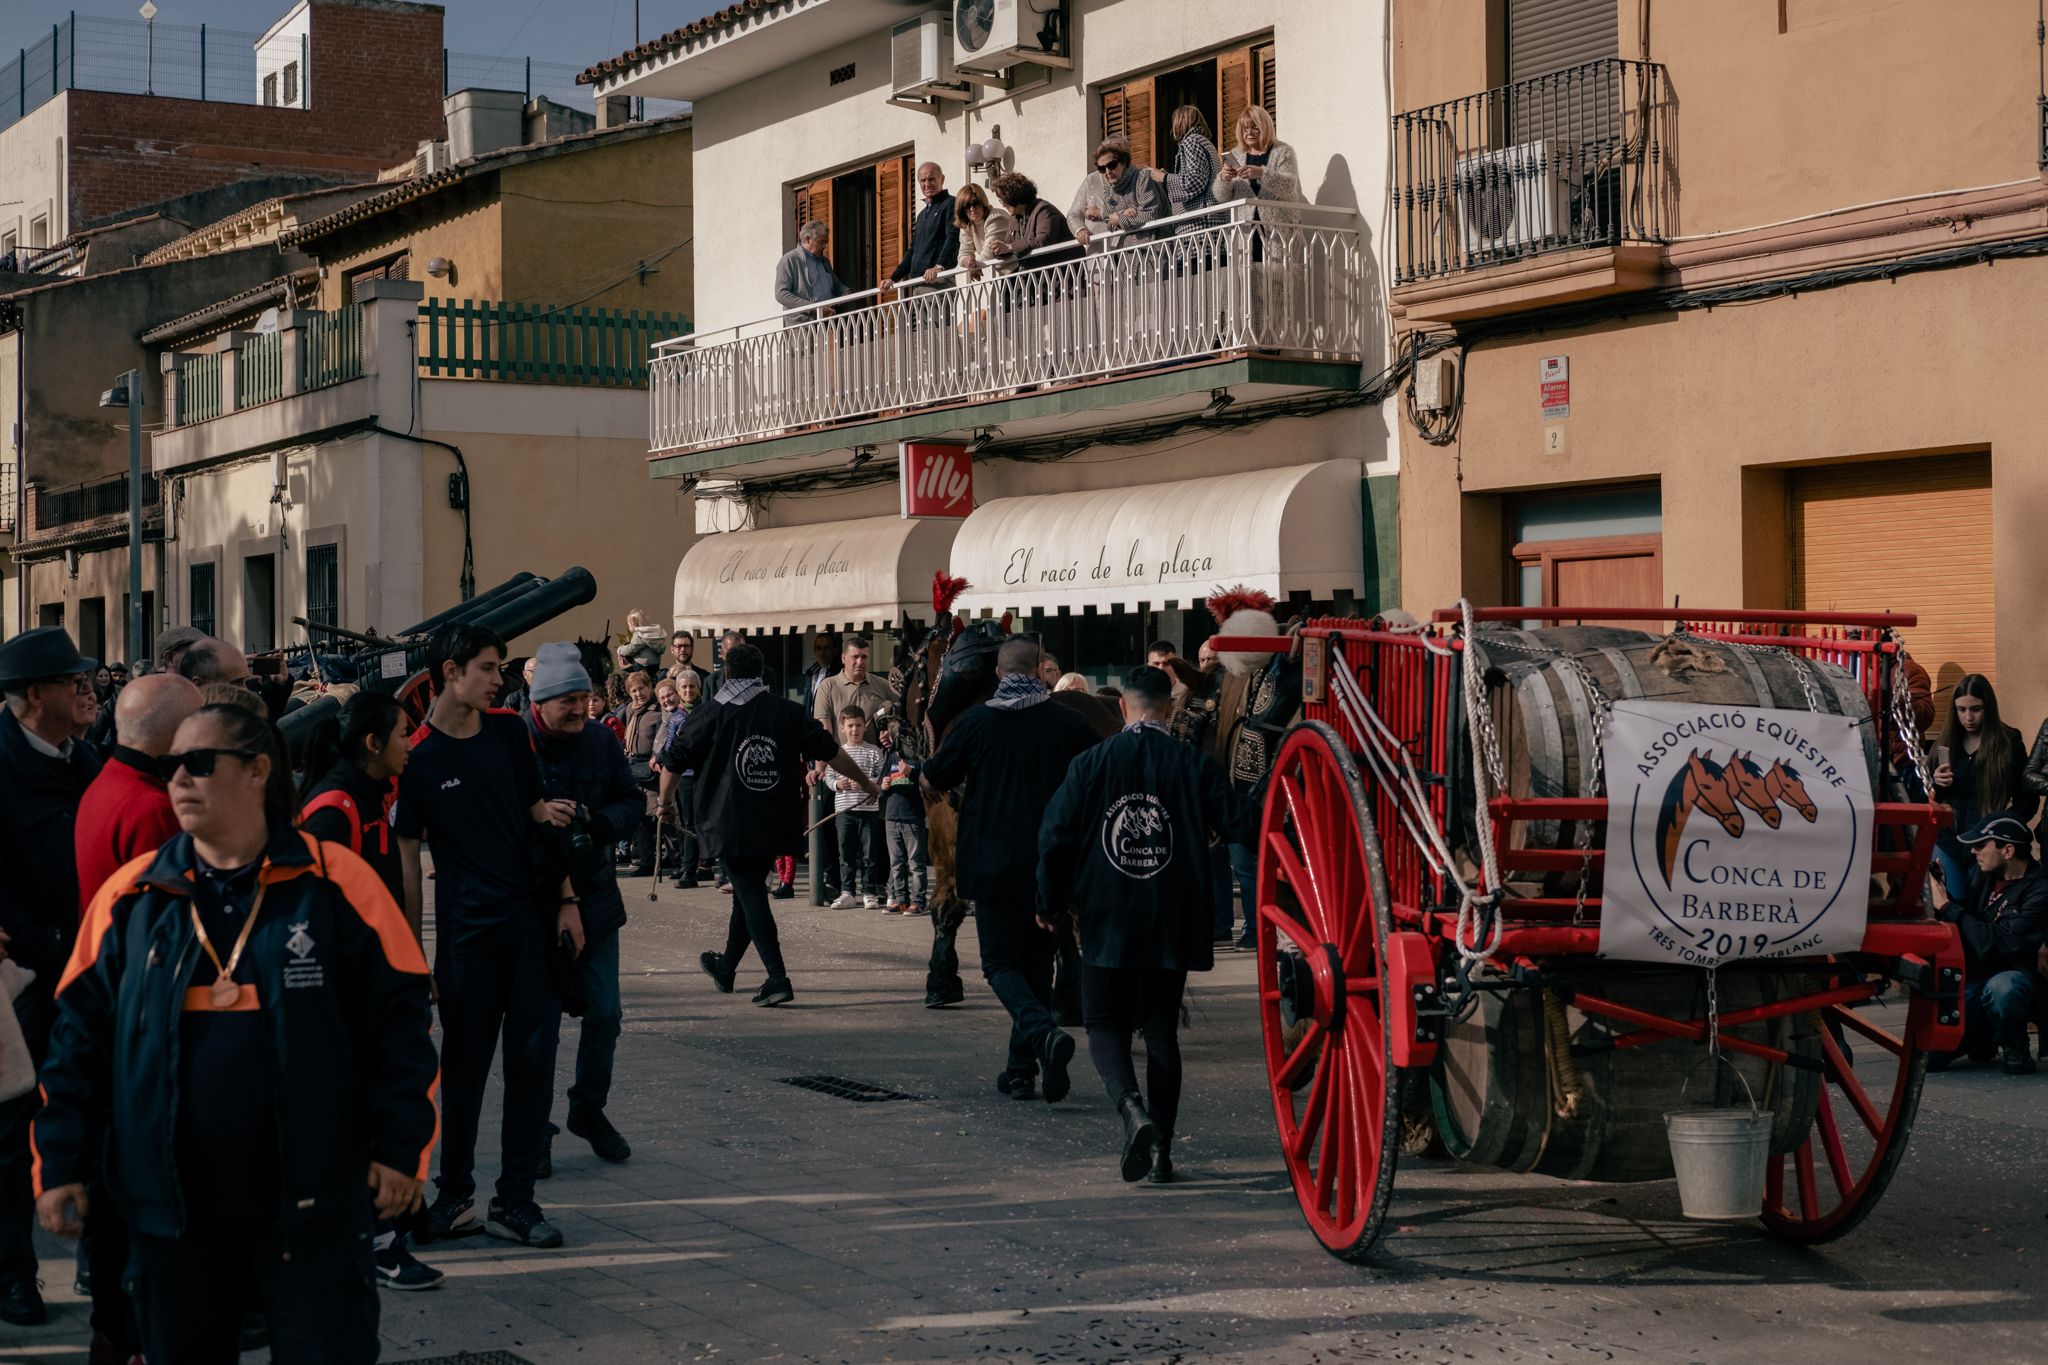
x,y
1322,898
1860,1128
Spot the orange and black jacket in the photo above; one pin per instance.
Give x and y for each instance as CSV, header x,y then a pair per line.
x,y
344,988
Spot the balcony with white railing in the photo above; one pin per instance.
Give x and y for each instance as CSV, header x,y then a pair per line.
x,y
1190,297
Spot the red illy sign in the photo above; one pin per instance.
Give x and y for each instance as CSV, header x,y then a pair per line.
x,y
937,479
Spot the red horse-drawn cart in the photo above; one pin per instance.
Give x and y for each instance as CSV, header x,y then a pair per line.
x,y
1451,975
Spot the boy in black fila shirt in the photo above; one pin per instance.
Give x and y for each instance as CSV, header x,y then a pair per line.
x,y
472,787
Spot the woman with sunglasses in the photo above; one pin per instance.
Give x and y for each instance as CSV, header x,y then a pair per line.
x,y
241,1049
1115,196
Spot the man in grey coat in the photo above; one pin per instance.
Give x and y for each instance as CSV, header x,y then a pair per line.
x,y
804,276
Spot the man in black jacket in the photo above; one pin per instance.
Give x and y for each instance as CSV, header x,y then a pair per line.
x,y
1015,749
750,750
2003,923
934,236
45,767
584,763
1126,841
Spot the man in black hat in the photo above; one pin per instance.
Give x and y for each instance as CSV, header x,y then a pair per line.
x,y
2003,922
1125,842
45,767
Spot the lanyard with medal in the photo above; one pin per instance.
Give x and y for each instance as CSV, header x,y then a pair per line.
x,y
224,994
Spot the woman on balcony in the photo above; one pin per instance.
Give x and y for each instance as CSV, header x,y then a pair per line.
x,y
982,226
1191,183
1261,169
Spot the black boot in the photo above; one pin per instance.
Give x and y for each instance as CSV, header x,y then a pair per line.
x,y
1162,1162
1139,1136
1055,1051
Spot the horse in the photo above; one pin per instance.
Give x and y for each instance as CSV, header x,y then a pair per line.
x,y
1784,785
1701,785
953,667
1746,784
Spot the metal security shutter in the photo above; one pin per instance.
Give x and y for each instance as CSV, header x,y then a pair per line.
x,y
1550,35
1903,535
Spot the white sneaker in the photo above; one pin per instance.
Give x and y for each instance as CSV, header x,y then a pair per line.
x,y
847,900
870,903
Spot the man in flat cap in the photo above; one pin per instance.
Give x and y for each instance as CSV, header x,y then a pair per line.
x,y
45,767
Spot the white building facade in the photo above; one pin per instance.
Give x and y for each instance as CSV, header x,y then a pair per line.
x,y
1086,392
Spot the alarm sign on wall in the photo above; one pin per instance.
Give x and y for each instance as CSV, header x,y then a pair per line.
x,y
937,479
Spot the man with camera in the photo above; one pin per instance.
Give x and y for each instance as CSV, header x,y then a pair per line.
x,y
585,764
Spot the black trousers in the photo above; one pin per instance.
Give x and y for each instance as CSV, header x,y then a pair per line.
x,y
191,1293
499,987
1016,960
863,862
1119,1001
753,919
36,1010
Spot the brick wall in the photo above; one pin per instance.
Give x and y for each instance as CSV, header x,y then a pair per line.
x,y
375,82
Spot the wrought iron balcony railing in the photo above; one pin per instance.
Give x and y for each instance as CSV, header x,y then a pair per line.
x,y
56,509
1573,159
1291,284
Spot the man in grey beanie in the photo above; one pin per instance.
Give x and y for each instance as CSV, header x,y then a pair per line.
x,y
584,763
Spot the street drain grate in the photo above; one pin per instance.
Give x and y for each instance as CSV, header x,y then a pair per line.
x,y
471,1358
860,1092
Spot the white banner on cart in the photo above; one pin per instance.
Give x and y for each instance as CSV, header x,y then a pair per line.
x,y
1732,832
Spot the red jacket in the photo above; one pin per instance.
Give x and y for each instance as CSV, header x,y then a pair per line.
x,y
124,814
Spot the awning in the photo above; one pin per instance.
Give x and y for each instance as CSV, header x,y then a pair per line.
x,y
832,575
1171,544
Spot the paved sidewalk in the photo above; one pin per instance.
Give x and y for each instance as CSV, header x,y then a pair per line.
x,y
759,1221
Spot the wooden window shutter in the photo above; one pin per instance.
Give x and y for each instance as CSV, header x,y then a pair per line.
x,y
1138,123
1233,93
1266,78
800,199
1114,123
819,208
892,179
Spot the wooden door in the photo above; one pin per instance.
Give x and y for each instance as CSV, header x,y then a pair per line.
x,y
1903,535
1233,94
1598,571
892,213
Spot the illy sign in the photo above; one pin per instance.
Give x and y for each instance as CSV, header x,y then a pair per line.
x,y
937,479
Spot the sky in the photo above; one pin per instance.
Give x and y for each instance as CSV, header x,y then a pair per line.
x,y
582,32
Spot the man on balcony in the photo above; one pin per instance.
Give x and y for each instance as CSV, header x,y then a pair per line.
x,y
804,276
934,236
1115,196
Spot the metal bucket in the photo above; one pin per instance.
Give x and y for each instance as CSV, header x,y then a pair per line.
x,y
1721,1157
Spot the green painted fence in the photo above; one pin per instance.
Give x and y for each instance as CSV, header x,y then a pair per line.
x,y
259,375
332,350
479,339
199,389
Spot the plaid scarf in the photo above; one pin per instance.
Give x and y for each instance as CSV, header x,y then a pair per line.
x,y
1015,691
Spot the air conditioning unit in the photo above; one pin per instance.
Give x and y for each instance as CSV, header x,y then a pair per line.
x,y
921,60
1509,202
993,35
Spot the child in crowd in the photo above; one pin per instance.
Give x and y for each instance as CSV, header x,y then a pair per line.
x,y
858,816
903,819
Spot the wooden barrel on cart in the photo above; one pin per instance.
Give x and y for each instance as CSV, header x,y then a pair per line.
x,y
1542,685
1498,1102
1509,1090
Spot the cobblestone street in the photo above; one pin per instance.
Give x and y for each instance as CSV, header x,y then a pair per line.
x,y
760,1221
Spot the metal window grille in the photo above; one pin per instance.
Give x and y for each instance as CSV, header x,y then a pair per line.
x,y
323,585
202,598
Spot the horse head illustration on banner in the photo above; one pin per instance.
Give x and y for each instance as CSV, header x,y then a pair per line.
x,y
1723,791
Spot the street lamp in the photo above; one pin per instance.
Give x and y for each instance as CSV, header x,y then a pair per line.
x,y
148,12
127,393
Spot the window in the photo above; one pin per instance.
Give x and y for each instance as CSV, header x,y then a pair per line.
x,y
270,89
8,242
397,267
323,586
259,603
868,210
291,83
201,599
1222,87
39,230
92,627
148,623
50,614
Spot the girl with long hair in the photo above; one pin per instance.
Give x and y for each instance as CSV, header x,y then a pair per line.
x,y
1981,771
